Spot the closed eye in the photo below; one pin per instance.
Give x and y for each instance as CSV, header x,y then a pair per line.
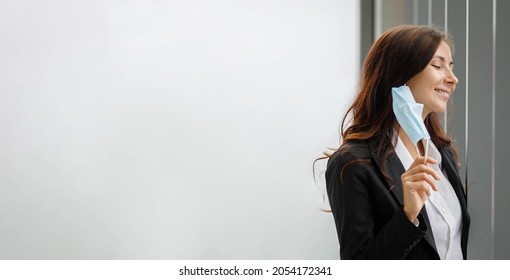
x,y
437,67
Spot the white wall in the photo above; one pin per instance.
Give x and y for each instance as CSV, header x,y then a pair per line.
x,y
170,129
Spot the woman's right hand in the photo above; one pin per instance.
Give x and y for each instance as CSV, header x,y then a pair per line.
x,y
416,184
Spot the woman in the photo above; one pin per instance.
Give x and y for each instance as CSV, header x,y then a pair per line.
x,y
388,202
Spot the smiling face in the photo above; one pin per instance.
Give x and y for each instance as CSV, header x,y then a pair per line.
x,y
433,86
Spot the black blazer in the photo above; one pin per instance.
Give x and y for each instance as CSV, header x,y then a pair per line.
x,y
367,208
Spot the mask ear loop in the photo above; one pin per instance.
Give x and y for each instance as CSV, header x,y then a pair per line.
x,y
426,143
426,149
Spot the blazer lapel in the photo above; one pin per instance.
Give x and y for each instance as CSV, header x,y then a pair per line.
x,y
453,176
394,168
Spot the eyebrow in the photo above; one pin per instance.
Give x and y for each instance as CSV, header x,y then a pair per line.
x,y
443,59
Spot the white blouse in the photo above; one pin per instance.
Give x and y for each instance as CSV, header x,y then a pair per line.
x,y
443,207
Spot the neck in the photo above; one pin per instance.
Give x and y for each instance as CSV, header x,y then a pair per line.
x,y
410,145
424,115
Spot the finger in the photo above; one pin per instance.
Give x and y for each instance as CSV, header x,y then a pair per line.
x,y
422,169
421,188
421,160
424,194
417,161
432,160
422,177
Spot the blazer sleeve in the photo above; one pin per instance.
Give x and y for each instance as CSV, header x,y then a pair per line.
x,y
351,187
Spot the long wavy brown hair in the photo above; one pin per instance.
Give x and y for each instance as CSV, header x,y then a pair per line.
x,y
398,55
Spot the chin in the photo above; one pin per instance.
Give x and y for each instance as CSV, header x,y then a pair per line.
x,y
440,111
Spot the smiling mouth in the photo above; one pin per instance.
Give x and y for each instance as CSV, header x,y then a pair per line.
x,y
442,93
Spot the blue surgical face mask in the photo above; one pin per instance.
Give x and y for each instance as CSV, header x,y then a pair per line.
x,y
409,115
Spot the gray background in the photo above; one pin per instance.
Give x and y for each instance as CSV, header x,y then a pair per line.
x,y
170,129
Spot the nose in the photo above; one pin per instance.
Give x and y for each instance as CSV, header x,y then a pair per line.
x,y
451,78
